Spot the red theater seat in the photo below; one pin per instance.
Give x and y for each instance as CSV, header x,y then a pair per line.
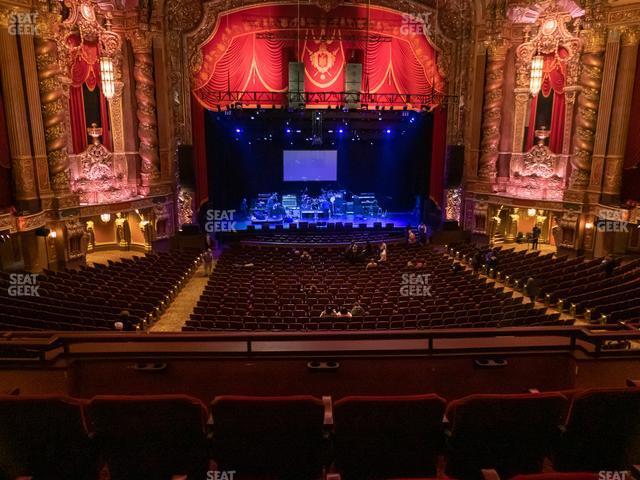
x,y
44,437
150,437
388,437
602,431
509,433
263,437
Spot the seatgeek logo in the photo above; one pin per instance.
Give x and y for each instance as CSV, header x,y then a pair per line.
x,y
613,475
220,221
221,475
23,285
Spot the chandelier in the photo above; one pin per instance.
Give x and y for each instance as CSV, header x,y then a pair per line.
x,y
535,84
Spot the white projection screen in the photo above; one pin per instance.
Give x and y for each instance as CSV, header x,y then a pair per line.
x,y
310,165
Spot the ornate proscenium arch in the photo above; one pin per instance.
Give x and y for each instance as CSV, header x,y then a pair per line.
x,y
248,50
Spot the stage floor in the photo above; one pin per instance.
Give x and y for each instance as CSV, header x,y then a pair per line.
x,y
402,219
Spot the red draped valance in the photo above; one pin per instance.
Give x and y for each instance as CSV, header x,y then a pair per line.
x,y
86,65
85,70
250,49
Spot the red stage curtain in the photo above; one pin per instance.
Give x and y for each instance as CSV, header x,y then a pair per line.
x,y
234,59
438,150
78,123
557,123
199,152
86,71
5,161
552,81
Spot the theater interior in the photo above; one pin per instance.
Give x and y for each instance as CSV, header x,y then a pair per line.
x,y
319,239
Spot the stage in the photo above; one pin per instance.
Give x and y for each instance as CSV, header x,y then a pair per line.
x,y
399,220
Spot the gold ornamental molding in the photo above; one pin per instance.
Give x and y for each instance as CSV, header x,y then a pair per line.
x,y
624,16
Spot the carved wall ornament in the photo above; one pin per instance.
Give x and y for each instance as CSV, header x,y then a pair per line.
x,y
98,181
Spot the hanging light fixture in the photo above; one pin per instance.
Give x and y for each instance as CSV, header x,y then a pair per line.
x,y
105,217
535,83
107,77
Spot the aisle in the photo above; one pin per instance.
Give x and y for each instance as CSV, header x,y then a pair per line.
x,y
178,312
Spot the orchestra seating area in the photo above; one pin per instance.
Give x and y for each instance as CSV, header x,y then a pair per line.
x,y
92,298
304,437
579,286
277,289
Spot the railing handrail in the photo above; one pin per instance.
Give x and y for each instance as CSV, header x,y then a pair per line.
x,y
336,342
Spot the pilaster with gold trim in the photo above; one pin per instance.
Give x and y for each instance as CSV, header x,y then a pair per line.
x,y
621,113
22,163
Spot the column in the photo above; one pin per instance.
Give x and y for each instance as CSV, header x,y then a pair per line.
x,y
54,105
588,103
141,42
492,111
22,165
621,112
35,119
611,58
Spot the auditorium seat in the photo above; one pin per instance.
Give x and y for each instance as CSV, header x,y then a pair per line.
x,y
150,437
45,437
509,433
602,431
388,436
269,436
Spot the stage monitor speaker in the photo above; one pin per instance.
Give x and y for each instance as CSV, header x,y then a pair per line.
x,y
348,225
251,228
362,226
185,166
454,166
377,225
303,225
296,84
353,84
389,226
279,227
293,226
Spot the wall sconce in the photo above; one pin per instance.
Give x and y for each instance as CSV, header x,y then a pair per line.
x,y
107,77
53,234
532,212
105,217
535,82
588,225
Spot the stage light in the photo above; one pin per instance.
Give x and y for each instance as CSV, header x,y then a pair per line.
x,y
388,130
288,130
340,130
